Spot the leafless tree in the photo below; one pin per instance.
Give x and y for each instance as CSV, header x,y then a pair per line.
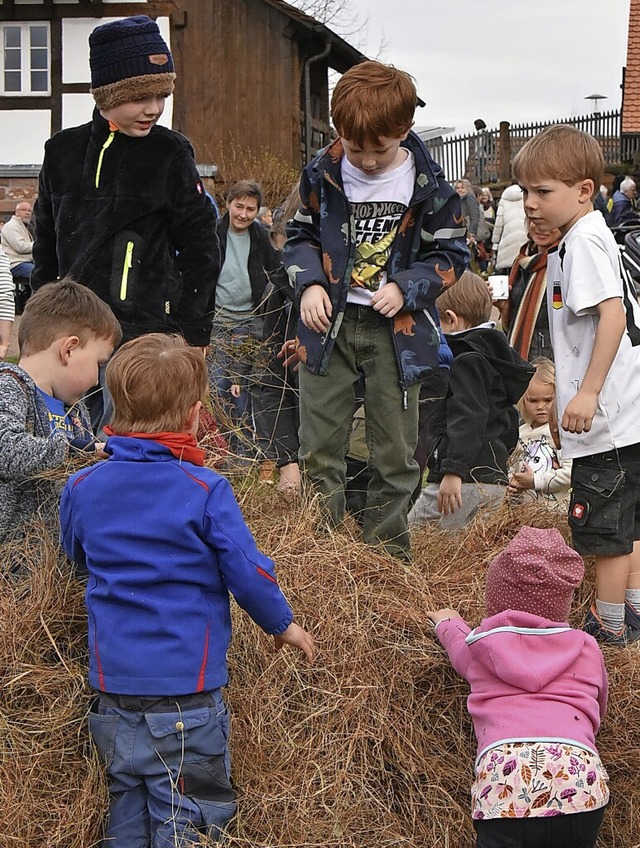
x,y
340,15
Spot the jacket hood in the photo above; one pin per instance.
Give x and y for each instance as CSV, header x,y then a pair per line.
x,y
428,171
525,650
512,192
493,345
20,373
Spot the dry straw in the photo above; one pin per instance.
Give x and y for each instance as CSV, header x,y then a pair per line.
x,y
371,746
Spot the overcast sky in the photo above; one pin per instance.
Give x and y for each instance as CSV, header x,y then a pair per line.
x,y
502,60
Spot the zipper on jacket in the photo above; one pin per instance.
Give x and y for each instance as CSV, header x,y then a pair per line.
x,y
128,262
110,138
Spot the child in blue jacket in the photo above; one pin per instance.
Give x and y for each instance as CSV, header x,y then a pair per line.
x,y
378,234
162,560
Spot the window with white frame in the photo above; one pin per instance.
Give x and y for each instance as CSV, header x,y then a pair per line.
x,y
25,59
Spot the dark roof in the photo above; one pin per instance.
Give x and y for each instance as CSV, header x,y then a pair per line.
x,y
342,55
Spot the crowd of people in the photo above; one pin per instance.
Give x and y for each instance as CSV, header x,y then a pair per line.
x,y
350,311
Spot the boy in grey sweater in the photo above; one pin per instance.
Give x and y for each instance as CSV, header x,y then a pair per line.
x,y
66,333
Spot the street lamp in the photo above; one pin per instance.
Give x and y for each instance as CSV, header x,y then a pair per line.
x,y
596,111
596,101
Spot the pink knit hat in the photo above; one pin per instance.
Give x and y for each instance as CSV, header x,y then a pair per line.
x,y
537,573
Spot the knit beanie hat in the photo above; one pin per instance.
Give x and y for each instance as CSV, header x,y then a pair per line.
x,y
537,573
129,61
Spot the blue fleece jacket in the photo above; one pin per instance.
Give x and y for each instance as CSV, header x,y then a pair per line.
x,y
164,542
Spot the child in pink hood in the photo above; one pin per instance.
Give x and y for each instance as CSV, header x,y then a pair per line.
x,y
538,694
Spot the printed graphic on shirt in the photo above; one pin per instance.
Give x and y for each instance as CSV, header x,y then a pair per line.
x,y
60,421
376,227
540,456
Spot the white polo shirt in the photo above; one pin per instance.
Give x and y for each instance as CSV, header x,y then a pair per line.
x,y
585,270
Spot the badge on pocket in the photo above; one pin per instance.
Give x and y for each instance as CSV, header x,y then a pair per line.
x,y
580,512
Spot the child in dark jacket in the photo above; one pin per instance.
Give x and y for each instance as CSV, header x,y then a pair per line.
x,y
538,695
476,425
378,234
162,561
121,205
66,333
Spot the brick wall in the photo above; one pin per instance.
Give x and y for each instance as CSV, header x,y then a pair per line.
x,y
13,190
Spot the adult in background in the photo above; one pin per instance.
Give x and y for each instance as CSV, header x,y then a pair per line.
x,y
248,261
623,210
524,315
509,230
17,242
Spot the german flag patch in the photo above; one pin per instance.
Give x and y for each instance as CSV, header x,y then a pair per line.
x,y
557,296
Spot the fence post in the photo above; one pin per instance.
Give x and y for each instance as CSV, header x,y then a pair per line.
x,y
504,144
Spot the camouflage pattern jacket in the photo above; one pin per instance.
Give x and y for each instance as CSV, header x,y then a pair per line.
x,y
428,253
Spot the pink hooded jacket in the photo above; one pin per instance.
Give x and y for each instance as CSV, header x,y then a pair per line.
x,y
531,679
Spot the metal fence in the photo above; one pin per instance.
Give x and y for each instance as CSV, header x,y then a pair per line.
x,y
482,157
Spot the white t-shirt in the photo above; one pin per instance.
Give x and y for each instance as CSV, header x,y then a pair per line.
x,y
584,271
377,205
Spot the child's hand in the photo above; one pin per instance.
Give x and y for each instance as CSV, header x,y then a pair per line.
x,y
388,300
288,353
234,390
315,309
450,494
522,479
100,451
437,616
579,413
299,638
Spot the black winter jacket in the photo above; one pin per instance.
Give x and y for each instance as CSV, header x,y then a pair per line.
x,y
475,426
129,218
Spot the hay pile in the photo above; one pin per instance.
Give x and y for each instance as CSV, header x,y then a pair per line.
x,y
371,746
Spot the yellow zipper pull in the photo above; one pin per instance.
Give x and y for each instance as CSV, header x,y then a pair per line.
x,y
128,262
110,138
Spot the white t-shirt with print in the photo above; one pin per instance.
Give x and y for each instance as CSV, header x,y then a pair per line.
x,y
378,202
584,271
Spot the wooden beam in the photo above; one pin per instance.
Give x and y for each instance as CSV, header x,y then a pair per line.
x,y
56,76
76,87
45,11
7,103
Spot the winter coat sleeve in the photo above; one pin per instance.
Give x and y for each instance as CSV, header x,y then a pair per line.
x,y
467,414
70,545
247,573
302,251
441,258
452,633
45,257
471,209
193,232
22,454
498,226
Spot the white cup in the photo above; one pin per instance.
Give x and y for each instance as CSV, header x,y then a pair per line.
x,y
499,285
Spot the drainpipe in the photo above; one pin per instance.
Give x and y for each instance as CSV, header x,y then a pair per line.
x,y
307,97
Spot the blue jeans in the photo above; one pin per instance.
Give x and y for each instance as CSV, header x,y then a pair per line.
x,y
22,269
229,362
168,765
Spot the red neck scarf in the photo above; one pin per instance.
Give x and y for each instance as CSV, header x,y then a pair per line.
x,y
181,445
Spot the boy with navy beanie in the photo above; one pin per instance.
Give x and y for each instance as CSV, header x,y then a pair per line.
x,y
121,205
162,562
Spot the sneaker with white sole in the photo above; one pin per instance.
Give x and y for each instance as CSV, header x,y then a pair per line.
x,y
598,629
